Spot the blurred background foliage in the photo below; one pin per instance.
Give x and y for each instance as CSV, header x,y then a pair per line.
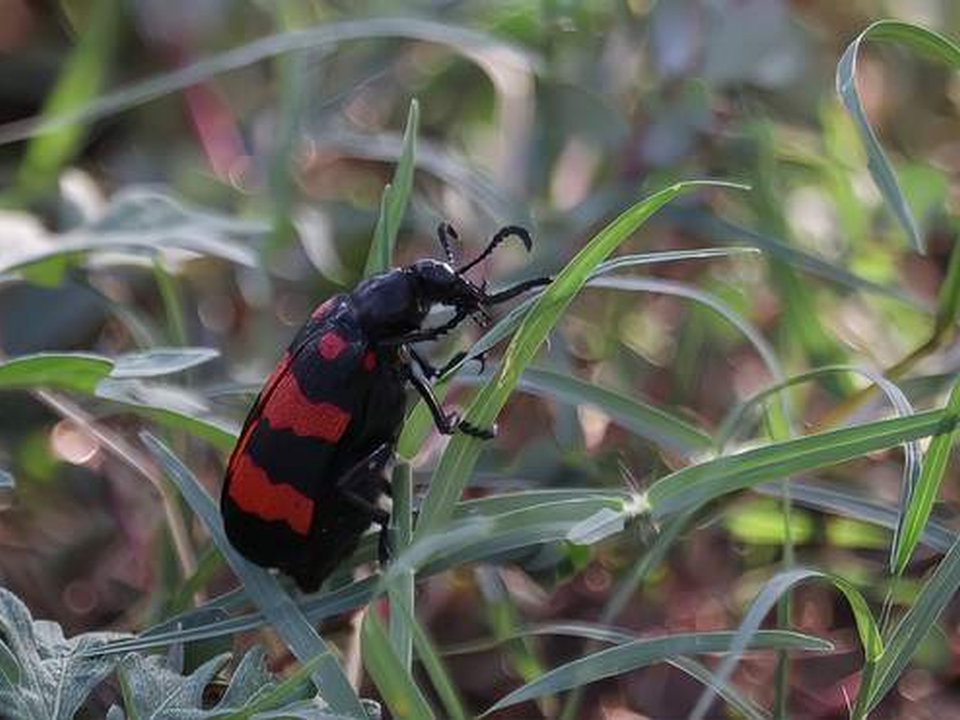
x,y
202,174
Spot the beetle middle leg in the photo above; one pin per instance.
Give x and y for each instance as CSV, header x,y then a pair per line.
x,y
447,423
370,471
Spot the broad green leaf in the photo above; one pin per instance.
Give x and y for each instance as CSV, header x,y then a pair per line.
x,y
276,605
153,691
395,684
170,406
461,454
928,43
44,675
396,195
697,484
646,651
918,502
67,371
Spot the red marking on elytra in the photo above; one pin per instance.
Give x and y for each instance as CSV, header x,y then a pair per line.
x,y
331,345
369,361
322,309
290,409
252,490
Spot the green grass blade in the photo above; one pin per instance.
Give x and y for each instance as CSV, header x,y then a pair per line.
x,y
160,361
857,507
401,588
918,502
67,371
767,598
78,84
276,605
289,689
395,684
394,201
645,420
462,40
432,663
937,591
928,43
700,483
461,454
640,653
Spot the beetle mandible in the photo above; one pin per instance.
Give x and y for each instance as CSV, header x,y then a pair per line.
x,y
304,480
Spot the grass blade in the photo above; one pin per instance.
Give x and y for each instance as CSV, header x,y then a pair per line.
x,y
699,483
393,202
916,624
461,454
917,38
642,652
79,82
395,684
917,503
275,604
767,598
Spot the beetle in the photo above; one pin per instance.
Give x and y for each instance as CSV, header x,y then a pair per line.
x,y
310,466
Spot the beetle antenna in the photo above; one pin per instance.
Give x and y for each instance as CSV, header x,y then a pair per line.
x,y
502,234
518,289
446,232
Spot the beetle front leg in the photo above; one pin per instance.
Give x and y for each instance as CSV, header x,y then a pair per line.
x,y
447,424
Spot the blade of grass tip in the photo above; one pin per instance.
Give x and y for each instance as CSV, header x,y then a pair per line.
x,y
69,371
646,651
396,686
264,590
462,452
919,503
401,589
766,599
936,592
394,201
917,38
699,483
79,82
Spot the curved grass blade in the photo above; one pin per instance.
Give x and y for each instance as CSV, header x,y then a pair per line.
x,y
916,505
767,599
643,419
928,43
395,684
462,40
641,652
279,609
461,454
700,483
393,202
937,591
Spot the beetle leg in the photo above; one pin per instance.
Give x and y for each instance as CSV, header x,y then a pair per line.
x,y
425,367
428,333
446,423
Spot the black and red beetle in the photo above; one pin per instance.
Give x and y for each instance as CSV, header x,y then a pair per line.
x,y
304,480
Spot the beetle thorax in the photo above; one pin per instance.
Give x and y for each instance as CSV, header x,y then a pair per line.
x,y
389,305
